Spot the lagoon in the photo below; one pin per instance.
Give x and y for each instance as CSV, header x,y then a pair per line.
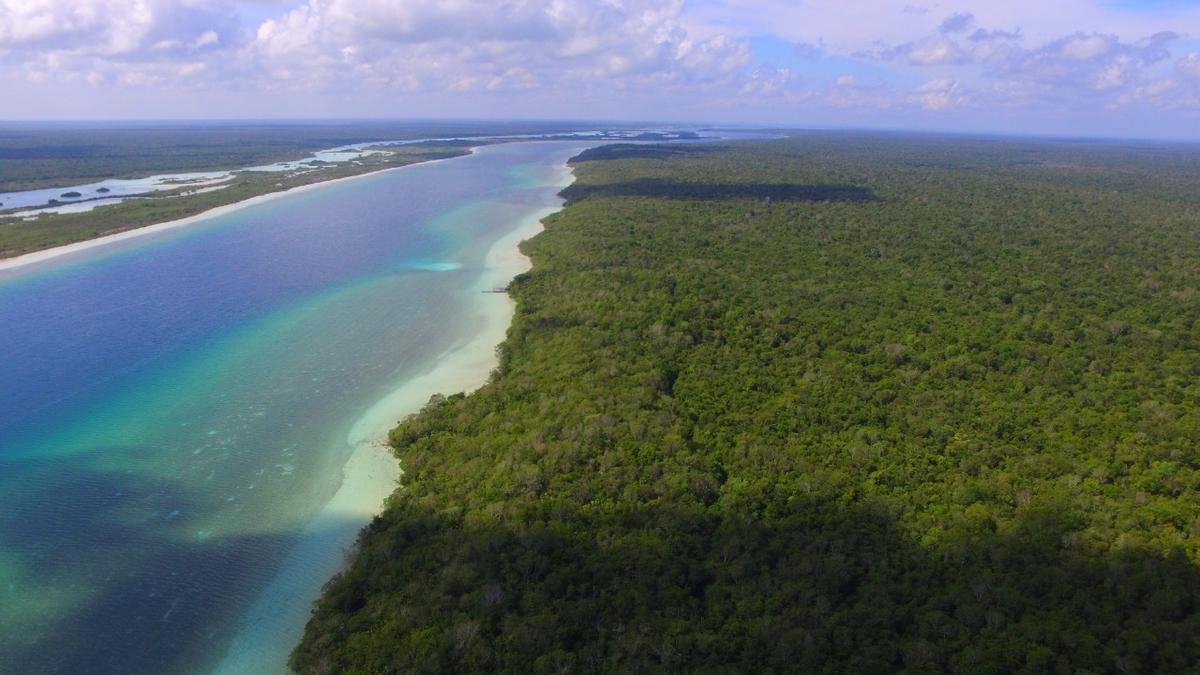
x,y
178,410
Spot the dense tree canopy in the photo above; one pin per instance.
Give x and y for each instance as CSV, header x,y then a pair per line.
x,y
933,407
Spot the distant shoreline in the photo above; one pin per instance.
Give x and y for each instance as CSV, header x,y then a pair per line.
x,y
35,257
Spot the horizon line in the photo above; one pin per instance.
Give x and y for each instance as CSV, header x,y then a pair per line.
x,y
709,125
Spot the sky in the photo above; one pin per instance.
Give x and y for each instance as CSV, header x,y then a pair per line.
x,y
1126,68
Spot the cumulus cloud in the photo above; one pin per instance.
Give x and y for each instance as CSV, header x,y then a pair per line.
x,y
113,28
474,44
768,81
324,47
934,51
206,39
1067,57
25,23
939,94
1071,67
1093,62
1189,66
106,43
1086,47
966,56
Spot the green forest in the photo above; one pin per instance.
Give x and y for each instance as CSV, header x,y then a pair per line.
x,y
840,403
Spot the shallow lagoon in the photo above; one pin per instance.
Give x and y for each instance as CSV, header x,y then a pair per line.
x,y
178,408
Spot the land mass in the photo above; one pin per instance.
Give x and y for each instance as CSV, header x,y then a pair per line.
x,y
48,157
20,235
36,155
840,403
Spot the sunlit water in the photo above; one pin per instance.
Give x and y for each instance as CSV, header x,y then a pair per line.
x,y
176,409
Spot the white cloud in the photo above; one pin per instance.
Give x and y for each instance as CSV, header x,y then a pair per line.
x,y
854,27
768,81
940,94
935,51
111,28
206,39
141,78
473,45
614,57
1115,74
189,69
1157,88
1010,73
1189,66
1079,62
26,22
1087,47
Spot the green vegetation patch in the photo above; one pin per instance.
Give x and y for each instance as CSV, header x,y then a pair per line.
x,y
950,429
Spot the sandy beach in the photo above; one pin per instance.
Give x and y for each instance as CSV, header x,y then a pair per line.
x,y
275,623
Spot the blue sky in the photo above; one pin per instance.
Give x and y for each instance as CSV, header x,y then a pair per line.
x,y
1080,67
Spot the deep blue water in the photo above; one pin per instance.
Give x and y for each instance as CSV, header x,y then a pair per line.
x,y
174,408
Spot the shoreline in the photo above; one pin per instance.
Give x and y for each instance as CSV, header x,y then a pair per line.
x,y
275,623
35,257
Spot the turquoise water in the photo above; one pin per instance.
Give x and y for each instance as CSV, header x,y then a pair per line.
x,y
174,409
